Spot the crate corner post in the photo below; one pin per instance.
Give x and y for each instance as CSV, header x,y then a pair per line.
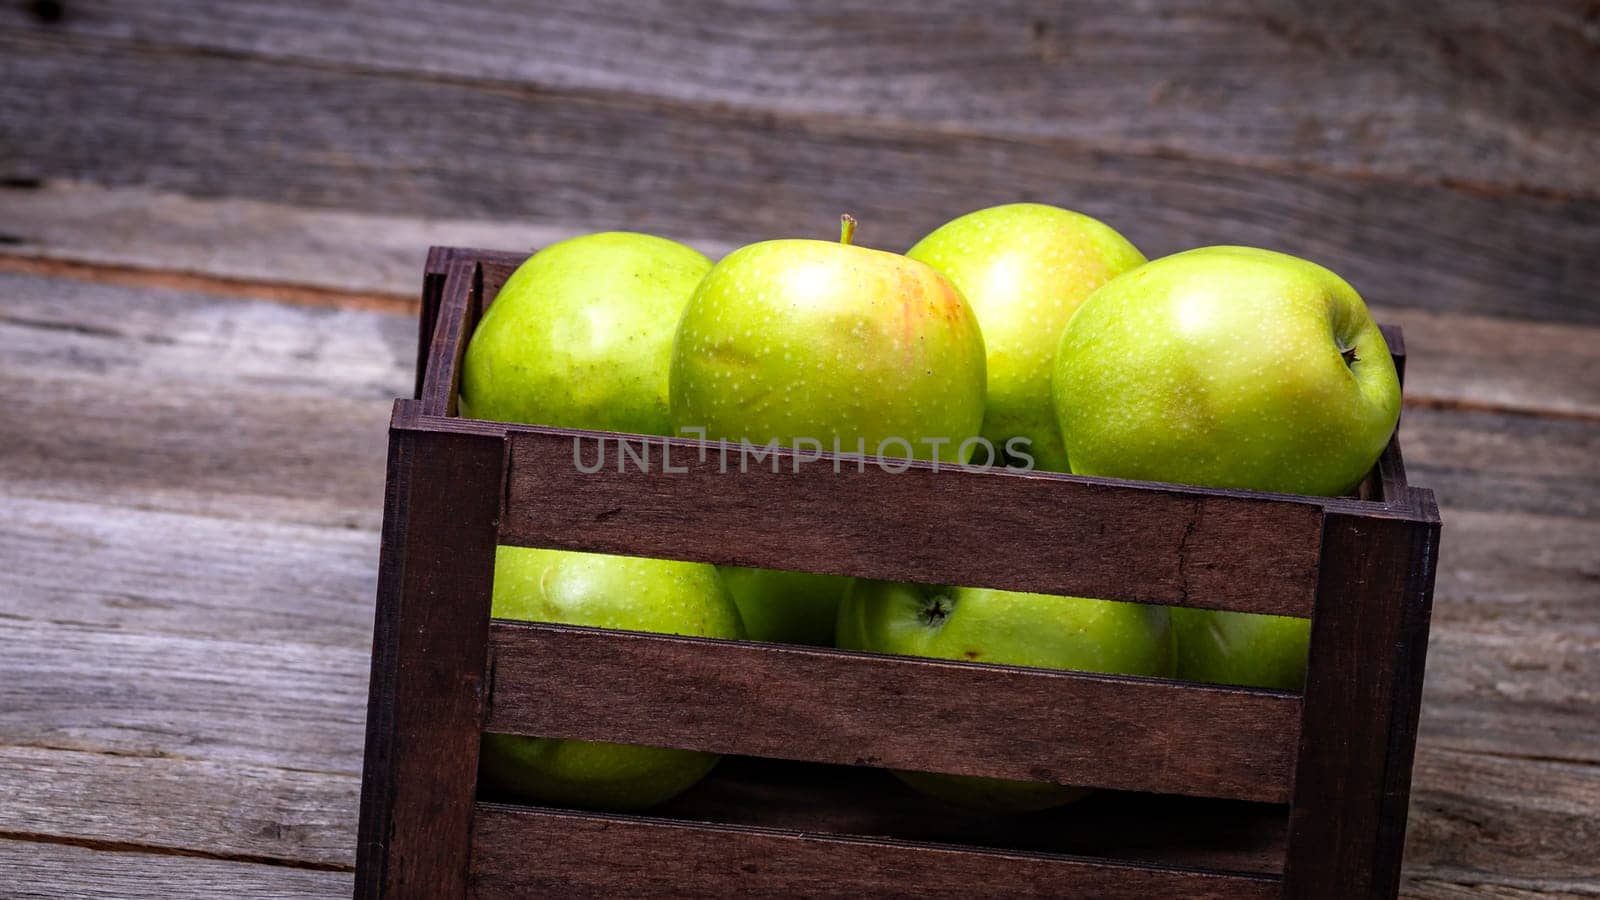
x,y
430,646
1358,735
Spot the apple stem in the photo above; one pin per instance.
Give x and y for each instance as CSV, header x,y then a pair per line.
x,y
847,228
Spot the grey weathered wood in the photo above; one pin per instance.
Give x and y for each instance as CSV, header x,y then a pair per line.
x,y
263,409
1496,96
164,803
319,139
1506,463
41,871
259,581
293,706
1456,357
1517,823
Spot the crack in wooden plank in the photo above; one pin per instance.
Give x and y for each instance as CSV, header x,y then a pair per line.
x,y
159,850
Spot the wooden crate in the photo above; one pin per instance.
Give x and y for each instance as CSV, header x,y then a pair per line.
x,y
1209,791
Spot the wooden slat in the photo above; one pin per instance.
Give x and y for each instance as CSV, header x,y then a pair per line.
x,y
1368,646
350,146
597,855
892,712
1121,826
40,871
425,705
1486,94
1037,532
457,317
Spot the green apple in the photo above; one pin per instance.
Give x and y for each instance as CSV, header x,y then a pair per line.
x,y
609,592
815,341
1228,367
1024,268
796,607
1241,648
1008,627
581,333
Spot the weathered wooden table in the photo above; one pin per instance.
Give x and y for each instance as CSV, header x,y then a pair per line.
x,y
212,220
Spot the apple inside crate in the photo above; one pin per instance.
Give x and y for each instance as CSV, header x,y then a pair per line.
x,y
1203,790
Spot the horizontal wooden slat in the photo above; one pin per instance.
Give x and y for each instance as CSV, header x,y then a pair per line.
x,y
518,852
328,139
1042,532
893,712
1161,829
1486,93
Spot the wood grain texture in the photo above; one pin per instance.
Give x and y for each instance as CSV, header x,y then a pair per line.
x,y
266,411
1116,825
42,871
316,137
261,582
81,688
1037,532
1487,94
1458,358
429,661
1510,666
594,855
161,804
892,712
1363,686
1519,824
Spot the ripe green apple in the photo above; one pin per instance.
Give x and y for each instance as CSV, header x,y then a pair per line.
x,y
803,340
1009,627
1024,268
609,592
1241,648
795,607
581,333
1228,367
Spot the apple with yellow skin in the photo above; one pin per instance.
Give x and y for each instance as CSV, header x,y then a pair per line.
x,y
820,341
837,346
1024,268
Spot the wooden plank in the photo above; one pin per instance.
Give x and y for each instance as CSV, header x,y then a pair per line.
x,y
1521,690
1368,645
1510,463
279,816
597,855
292,706
258,581
928,715
316,137
1036,531
1490,823
42,871
267,411
429,663
1121,826
267,243
1495,97
457,317
1458,358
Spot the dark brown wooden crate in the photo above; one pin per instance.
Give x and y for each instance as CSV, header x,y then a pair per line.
x,y
1360,567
